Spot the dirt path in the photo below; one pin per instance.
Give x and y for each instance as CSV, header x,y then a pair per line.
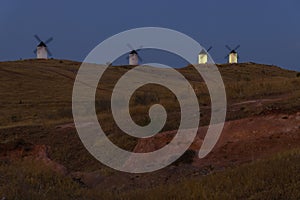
x,y
257,101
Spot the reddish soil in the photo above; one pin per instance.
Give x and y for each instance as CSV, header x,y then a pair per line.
x,y
20,149
241,141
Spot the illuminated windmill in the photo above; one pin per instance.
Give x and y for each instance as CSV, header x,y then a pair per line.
x,y
203,56
42,51
233,55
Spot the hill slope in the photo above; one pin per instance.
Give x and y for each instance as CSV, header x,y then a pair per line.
x,y
39,91
36,125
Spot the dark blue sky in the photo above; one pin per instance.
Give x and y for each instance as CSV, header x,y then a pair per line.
x,y
268,31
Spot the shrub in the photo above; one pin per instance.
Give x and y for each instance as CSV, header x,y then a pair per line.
x,y
186,158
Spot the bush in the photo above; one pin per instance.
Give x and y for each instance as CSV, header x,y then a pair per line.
x,y
186,158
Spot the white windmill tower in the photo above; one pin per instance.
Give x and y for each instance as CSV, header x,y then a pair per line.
x,y
134,57
233,55
42,51
203,56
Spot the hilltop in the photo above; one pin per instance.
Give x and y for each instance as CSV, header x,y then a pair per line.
x,y
39,91
39,140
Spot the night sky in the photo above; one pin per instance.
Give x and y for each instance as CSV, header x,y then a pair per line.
x,y
268,31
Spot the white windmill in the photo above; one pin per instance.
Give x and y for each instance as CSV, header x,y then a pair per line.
x,y
134,57
203,56
42,51
233,55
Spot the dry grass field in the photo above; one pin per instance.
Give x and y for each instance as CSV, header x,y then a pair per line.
x,y
42,157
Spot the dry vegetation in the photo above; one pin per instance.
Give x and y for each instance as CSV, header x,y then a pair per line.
x,y
36,99
279,178
38,92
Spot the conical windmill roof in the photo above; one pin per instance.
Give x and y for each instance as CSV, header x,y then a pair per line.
x,y
42,44
203,52
133,52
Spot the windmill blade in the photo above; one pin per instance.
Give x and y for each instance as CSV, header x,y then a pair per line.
x,y
49,40
238,46
209,49
49,52
140,48
37,38
226,57
228,47
35,51
140,58
130,47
